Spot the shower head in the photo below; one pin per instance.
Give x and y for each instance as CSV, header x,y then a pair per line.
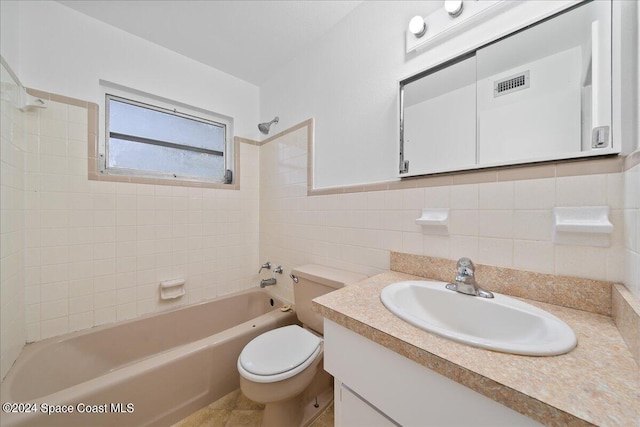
x,y
264,127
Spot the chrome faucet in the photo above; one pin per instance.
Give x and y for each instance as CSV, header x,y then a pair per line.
x,y
268,282
465,281
272,280
266,265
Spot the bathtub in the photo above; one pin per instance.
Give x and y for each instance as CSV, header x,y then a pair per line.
x,y
149,371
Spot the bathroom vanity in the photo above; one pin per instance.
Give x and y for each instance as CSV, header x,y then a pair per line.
x,y
389,372
379,387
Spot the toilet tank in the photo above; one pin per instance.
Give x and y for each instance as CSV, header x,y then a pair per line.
x,y
315,280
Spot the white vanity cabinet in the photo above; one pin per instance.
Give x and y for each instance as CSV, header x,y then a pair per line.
x,y
357,412
378,387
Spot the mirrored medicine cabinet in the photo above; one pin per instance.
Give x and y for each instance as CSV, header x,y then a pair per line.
x,y
540,94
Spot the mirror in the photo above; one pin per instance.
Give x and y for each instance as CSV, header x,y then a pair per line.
x,y
540,94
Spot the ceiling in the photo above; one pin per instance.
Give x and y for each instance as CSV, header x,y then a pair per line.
x,y
248,39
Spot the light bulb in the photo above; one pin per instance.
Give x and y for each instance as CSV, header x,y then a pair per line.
x,y
453,7
417,26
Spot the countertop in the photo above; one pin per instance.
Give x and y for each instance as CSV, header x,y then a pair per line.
x,y
597,383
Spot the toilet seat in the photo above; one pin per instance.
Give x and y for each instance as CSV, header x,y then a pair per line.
x,y
278,354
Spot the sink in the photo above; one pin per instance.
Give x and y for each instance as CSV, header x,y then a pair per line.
x,y
501,323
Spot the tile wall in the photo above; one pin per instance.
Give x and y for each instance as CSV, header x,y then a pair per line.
x,y
632,228
96,251
505,223
12,144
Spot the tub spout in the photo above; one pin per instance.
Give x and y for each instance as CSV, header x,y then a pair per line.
x,y
268,282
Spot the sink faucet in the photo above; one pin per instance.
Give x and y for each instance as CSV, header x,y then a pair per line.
x,y
465,281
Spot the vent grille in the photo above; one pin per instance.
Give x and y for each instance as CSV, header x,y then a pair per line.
x,y
511,84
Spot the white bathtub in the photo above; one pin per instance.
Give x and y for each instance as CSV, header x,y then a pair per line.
x,y
145,372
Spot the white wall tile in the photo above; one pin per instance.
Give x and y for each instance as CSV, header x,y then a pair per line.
x,y
632,188
375,201
54,292
413,199
53,327
581,261
615,265
32,294
631,237
81,270
77,114
81,287
464,222
393,240
54,255
412,243
54,309
33,313
80,235
409,220
464,246
632,277
586,190
81,304
96,250
496,195
437,197
497,252
615,197
464,196
33,332
392,200
54,273
54,236
81,321
55,111
54,219
104,315
496,224
534,256
533,225
126,311
103,300
436,246
103,283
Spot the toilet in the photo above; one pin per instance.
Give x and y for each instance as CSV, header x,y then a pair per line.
x,y
283,368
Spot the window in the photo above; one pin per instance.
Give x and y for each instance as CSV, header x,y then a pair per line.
x,y
152,141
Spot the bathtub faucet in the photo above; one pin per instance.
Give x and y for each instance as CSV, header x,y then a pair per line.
x,y
268,282
266,265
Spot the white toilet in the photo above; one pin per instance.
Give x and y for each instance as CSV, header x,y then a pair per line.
x,y
283,368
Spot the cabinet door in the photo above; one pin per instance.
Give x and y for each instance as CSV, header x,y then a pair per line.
x,y
355,412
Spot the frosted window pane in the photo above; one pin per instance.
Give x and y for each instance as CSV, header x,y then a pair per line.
x,y
154,158
146,123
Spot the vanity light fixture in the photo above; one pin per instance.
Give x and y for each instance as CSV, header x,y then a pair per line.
x,y
417,26
454,7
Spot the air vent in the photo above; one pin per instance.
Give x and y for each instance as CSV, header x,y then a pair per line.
x,y
511,84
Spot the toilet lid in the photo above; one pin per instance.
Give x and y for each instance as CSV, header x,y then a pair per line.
x,y
279,350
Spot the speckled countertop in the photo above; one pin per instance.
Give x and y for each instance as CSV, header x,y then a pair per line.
x,y
597,383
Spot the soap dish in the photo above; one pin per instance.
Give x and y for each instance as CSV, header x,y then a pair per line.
x,y
582,226
434,221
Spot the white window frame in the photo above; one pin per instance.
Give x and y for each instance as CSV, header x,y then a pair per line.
x,y
153,102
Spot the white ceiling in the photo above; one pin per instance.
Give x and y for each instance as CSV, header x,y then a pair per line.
x,y
250,39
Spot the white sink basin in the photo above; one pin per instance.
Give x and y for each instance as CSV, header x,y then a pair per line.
x,y
501,323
